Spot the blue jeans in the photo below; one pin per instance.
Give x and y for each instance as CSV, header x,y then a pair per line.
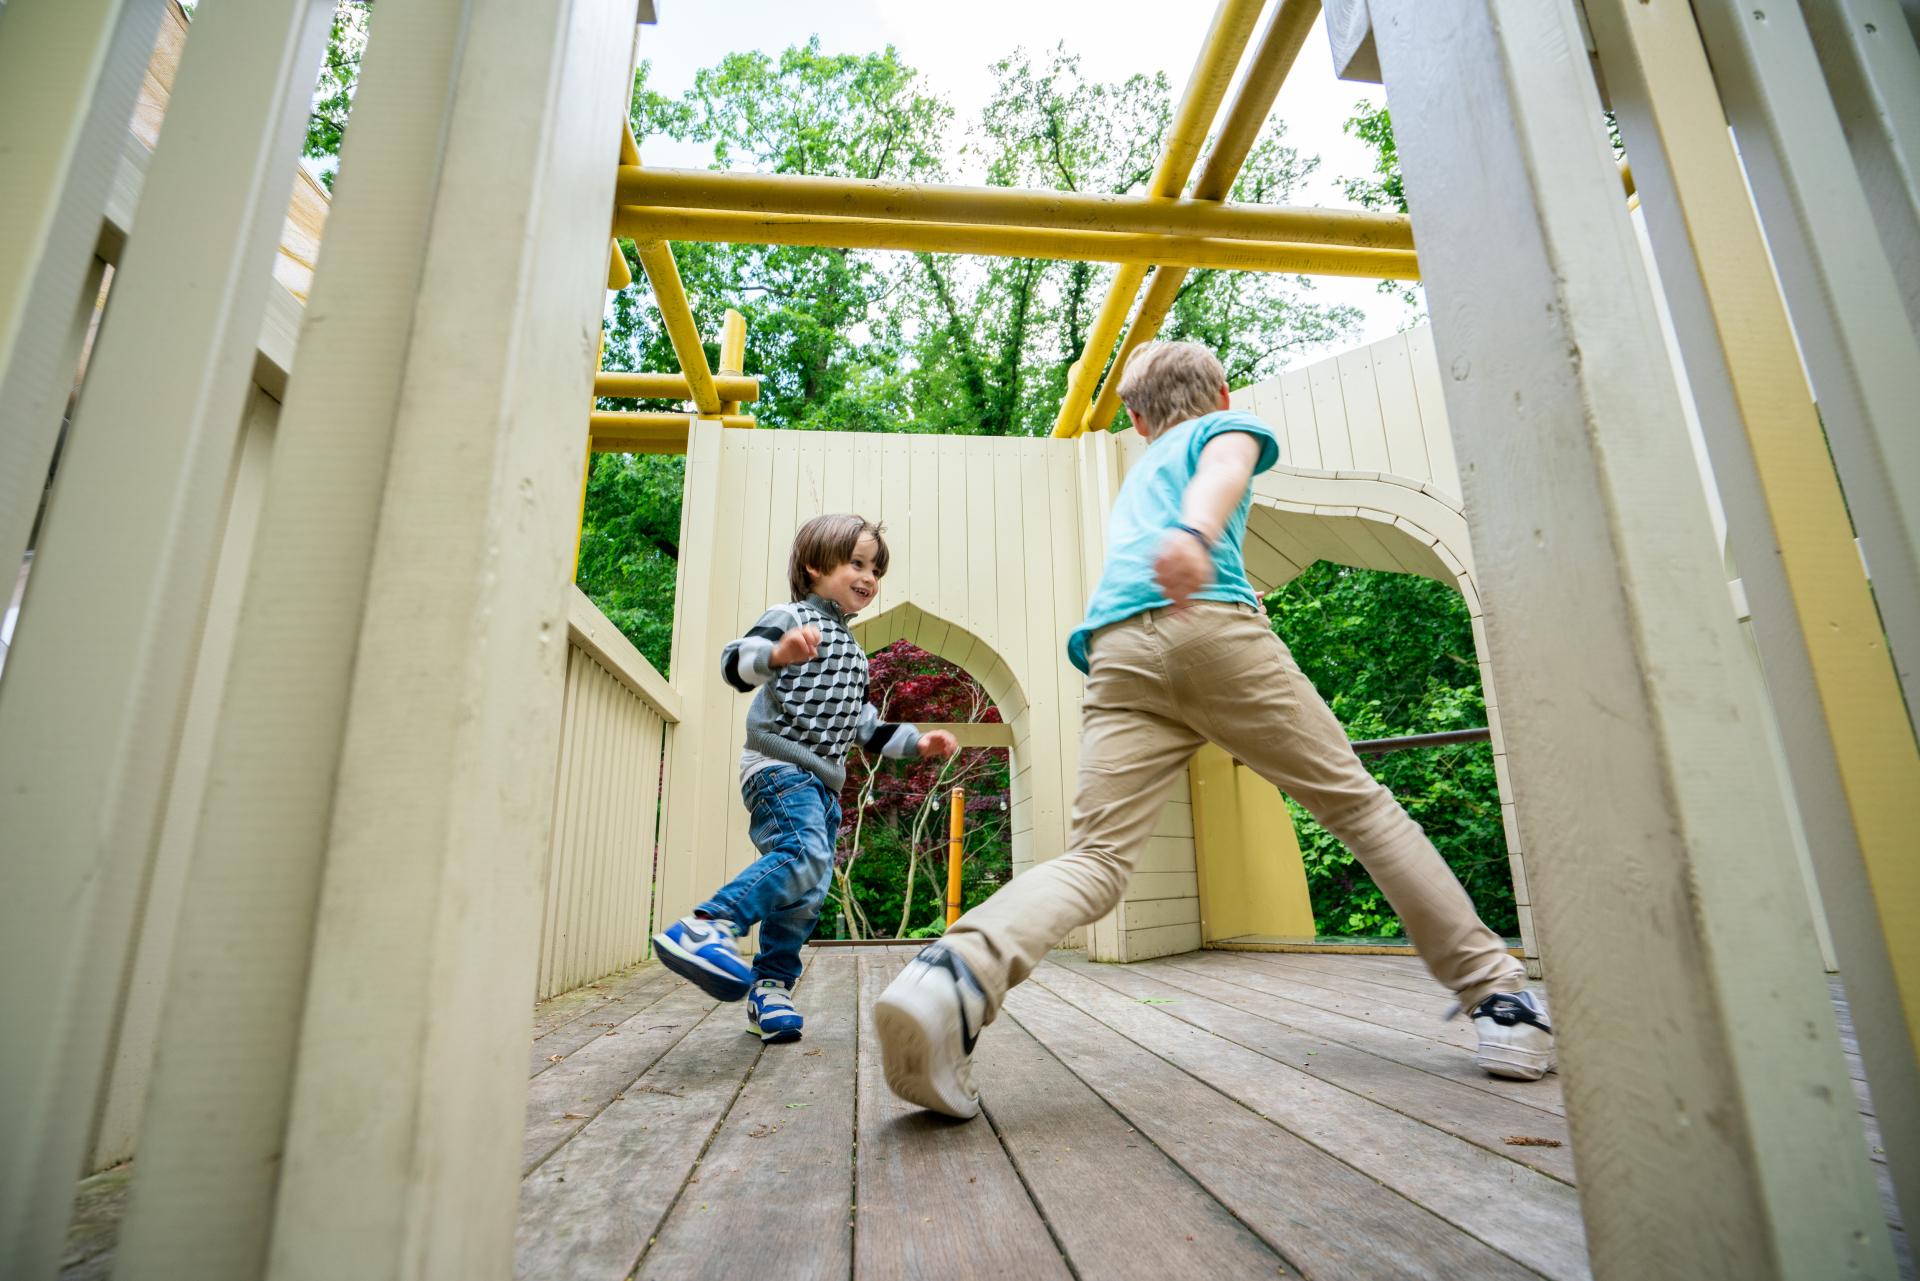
x,y
795,820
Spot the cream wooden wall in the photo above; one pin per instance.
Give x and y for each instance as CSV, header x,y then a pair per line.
x,y
607,797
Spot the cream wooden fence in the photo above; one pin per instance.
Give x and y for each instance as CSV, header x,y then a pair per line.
x,y
609,785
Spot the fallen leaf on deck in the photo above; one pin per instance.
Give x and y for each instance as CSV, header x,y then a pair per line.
x,y
1528,1141
791,1106
555,1058
1157,1000
575,1116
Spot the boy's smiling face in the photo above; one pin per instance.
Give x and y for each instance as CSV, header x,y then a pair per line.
x,y
851,586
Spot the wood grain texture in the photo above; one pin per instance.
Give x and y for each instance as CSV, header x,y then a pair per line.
x,y
1324,1217
1532,1219
936,1198
590,1210
776,1182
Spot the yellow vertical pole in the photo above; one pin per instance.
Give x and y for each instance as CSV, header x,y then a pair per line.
x,y
956,834
586,468
733,353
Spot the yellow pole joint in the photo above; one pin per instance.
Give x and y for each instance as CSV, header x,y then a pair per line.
x,y
733,356
956,839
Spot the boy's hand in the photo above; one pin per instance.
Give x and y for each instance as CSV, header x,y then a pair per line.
x,y
1183,566
938,743
797,646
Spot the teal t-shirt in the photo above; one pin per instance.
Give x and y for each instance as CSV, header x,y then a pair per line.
x,y
1149,506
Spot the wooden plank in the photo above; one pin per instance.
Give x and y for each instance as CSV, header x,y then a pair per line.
x,y
1366,427
785,1147
1080,1160
590,1208
1581,485
1044,678
1325,1218
1400,410
564,1098
984,532
1161,940
926,1185
1478,1117
102,660
1406,991
1249,992
98,1206
1330,415
69,77
642,989
1532,1219
1303,433
1428,394
929,580
557,1011
1269,972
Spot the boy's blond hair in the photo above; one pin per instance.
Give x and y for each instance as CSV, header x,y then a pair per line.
x,y
825,543
1167,383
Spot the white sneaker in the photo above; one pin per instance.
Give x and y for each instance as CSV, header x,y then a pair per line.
x,y
928,1020
1516,1040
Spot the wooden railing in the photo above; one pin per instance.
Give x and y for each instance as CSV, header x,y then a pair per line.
x,y
609,786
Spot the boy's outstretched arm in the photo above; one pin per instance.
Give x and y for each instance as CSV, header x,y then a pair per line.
x,y
889,738
777,640
1185,562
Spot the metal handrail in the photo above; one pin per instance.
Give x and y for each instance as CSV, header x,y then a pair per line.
x,y
1380,746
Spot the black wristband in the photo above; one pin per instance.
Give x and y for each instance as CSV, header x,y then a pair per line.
x,y
1204,540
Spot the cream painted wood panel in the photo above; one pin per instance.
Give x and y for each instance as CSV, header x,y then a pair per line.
x,y
607,797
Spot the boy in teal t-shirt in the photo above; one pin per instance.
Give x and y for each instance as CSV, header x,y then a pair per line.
x,y
1178,652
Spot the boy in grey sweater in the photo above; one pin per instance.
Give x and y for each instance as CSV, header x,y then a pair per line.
x,y
810,709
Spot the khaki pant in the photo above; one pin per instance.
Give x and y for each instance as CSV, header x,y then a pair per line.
x,y
1162,683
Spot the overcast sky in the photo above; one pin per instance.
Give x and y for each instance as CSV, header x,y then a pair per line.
x,y
953,47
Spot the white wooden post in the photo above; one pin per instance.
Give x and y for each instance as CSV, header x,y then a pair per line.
x,y
95,682
403,1123
1859,345
1872,65
69,73
1846,739
1713,1121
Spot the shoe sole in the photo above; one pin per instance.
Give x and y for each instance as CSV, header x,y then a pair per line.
x,y
702,974
1514,1064
906,1056
785,1036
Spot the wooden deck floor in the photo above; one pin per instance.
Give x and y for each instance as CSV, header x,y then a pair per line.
x,y
1244,1114
1250,1115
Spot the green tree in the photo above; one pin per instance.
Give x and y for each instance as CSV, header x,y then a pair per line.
x,y
1393,654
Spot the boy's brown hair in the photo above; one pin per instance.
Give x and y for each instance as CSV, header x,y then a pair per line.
x,y
1169,382
824,544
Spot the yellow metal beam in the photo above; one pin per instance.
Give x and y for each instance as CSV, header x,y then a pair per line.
x,y
733,358
1273,58
657,258
1206,87
619,275
671,386
650,433
1136,250
697,189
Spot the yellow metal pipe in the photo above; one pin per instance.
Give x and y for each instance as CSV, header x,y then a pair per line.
x,y
650,433
629,149
671,386
657,258
1013,206
956,842
619,275
1022,242
733,355
1199,102
1272,60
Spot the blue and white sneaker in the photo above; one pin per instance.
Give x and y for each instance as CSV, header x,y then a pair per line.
x,y
928,1020
770,1013
1516,1038
702,951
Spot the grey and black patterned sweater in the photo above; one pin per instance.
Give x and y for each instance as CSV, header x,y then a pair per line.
x,y
809,714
